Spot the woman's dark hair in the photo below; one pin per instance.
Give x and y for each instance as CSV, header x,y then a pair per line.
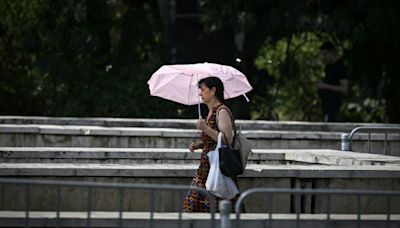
x,y
211,82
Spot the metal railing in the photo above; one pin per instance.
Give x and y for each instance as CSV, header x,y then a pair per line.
x,y
224,206
121,187
347,139
328,193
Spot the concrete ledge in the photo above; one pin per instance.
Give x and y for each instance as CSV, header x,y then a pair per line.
x,y
171,132
114,155
95,130
97,153
154,155
165,220
110,137
185,123
332,157
183,170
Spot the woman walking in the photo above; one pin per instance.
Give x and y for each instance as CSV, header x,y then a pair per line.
x,y
219,119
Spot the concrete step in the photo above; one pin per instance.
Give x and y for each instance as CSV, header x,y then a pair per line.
x,y
377,177
118,155
194,220
188,170
183,156
186,123
12,135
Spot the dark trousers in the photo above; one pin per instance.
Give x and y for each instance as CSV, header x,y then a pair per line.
x,y
330,110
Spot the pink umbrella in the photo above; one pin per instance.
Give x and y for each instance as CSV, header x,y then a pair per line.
x,y
179,83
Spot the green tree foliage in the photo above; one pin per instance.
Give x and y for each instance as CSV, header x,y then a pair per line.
x,y
80,58
93,58
366,32
295,67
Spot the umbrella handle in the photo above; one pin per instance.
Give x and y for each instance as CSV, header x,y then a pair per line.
x,y
198,96
199,110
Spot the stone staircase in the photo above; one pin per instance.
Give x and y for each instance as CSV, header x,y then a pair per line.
x,y
34,135
285,155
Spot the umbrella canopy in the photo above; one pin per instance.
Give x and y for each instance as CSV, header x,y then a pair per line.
x,y
179,83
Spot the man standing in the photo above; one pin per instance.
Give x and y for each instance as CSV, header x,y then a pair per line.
x,y
335,83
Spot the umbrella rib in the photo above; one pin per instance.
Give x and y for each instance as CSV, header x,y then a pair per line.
x,y
191,80
169,79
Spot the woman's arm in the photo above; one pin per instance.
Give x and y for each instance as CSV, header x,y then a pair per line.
x,y
194,146
224,125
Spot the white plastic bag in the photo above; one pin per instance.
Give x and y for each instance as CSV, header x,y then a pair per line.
x,y
217,183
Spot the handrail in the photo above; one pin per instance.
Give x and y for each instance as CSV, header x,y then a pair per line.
x,y
347,139
328,192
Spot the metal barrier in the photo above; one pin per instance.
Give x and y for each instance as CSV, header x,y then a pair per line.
x,y
347,139
327,192
120,186
224,206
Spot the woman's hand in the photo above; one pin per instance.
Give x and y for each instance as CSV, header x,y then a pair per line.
x,y
201,124
193,146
